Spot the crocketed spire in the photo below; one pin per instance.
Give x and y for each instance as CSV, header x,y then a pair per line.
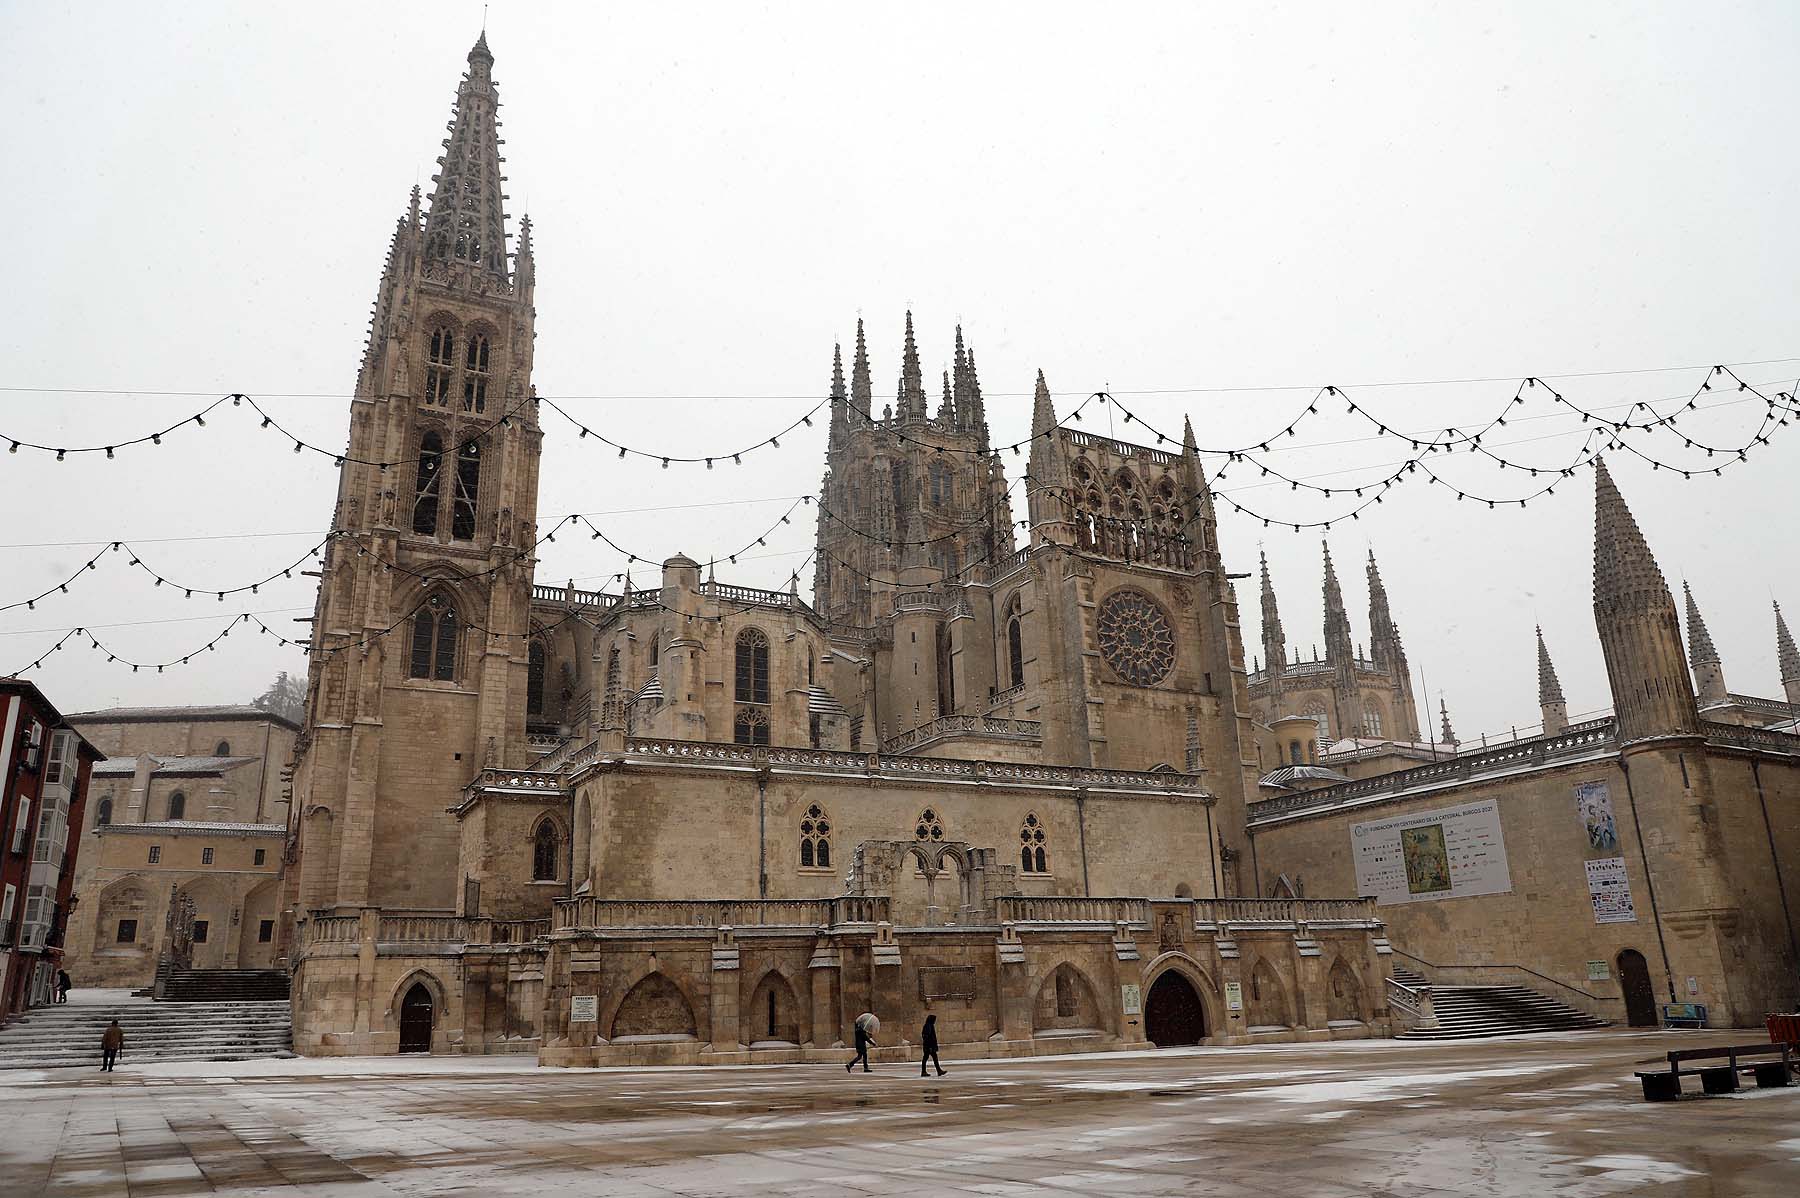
x,y
1043,411
1640,629
1449,734
837,374
1273,638
1709,671
972,410
1549,688
1338,643
467,224
862,390
1625,571
947,406
1787,656
912,382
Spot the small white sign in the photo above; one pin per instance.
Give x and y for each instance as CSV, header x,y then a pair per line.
x,y
1132,999
1693,986
1234,996
584,1008
1598,972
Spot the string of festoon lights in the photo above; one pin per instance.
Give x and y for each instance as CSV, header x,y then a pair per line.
x,y
135,558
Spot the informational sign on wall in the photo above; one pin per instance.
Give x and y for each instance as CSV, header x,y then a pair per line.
x,y
1598,971
584,1008
1132,999
1234,996
1610,889
1454,852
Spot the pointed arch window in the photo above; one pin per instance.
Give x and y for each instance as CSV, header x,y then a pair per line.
x,y
468,489
751,688
222,749
545,851
1015,643
105,814
815,839
534,679
425,487
475,373
178,806
435,629
440,366
1372,722
1033,858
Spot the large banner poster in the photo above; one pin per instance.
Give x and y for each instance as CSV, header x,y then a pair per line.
x,y
1609,887
1455,852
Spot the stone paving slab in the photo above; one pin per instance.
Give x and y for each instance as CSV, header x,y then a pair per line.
x,y
1532,1116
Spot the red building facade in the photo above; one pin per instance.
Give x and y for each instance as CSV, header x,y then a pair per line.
x,y
44,769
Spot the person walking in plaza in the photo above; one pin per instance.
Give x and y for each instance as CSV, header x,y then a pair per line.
x,y
866,1027
62,985
928,1043
110,1043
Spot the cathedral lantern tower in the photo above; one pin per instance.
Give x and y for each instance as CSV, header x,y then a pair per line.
x,y
423,602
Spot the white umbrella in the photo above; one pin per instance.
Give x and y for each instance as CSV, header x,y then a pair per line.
x,y
868,1022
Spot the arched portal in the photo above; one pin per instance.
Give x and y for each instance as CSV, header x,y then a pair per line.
x,y
1640,995
416,1019
1173,1015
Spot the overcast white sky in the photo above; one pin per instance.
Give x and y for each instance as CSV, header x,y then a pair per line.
x,y
1148,199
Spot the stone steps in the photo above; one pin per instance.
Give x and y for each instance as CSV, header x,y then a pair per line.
x,y
1470,1012
226,985
69,1034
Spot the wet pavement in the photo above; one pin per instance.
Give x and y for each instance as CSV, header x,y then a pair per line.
x,y
1558,1114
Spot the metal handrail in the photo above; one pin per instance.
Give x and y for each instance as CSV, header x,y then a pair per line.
x,y
1400,952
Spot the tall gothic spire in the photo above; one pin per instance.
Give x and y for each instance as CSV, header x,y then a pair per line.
x,y
862,391
1550,696
972,410
1640,632
912,382
1273,638
467,224
1709,671
1449,734
947,406
1338,645
960,379
1381,618
1043,410
1788,657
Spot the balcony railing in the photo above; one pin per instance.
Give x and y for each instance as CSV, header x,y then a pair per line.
x,y
986,727
1059,909
611,914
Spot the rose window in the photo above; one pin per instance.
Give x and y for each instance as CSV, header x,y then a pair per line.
x,y
1135,638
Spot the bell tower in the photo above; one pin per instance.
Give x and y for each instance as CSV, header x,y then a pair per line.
x,y
424,598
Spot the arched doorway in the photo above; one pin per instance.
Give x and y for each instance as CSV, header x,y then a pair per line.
x,y
416,1019
1172,1012
1640,995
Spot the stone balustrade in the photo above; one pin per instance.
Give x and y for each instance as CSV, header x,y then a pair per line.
x,y
1072,909
420,929
332,929
1284,912
596,914
988,727
1577,740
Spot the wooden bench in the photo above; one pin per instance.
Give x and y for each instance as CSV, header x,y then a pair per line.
x,y
1664,1085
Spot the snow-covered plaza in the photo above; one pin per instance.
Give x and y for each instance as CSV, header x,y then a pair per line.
x,y
1555,1114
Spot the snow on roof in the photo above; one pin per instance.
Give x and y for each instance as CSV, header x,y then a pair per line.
x,y
219,711
115,765
201,827
1287,775
171,766
820,701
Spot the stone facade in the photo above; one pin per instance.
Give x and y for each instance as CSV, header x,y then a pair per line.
x,y
188,821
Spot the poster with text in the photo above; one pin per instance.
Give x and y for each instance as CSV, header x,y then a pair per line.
x,y
1455,852
1611,891
1593,803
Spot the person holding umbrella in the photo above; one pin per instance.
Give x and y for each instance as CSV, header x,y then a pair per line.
x,y
866,1027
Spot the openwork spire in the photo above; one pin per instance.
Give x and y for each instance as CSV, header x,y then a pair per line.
x,y
467,224
1549,688
1700,642
1043,410
862,391
1625,571
1338,644
947,406
1273,638
1449,734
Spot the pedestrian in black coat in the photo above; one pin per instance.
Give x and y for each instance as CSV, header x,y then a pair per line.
x,y
928,1041
863,1041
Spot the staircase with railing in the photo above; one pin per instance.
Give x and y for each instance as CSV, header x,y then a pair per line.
x,y
1456,1002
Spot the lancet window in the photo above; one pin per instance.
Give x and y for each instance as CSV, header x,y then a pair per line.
x,y
435,629
534,679
751,725
545,844
440,366
475,374
815,839
425,487
468,489
1015,643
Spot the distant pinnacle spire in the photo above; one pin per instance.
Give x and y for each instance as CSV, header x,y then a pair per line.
x,y
467,225
972,410
1338,643
1700,642
837,373
1549,688
1273,638
960,381
911,397
1786,654
862,391
947,406
1449,736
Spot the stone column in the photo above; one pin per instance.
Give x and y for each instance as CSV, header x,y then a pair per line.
x,y
823,972
1012,995
723,1023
